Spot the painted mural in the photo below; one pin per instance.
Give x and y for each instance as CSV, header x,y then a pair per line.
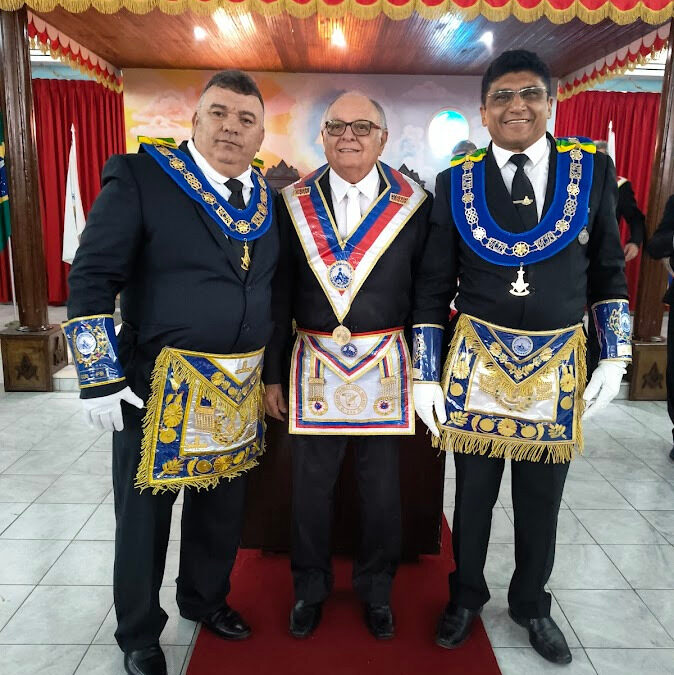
x,y
161,102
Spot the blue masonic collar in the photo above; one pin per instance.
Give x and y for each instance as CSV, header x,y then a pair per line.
x,y
248,224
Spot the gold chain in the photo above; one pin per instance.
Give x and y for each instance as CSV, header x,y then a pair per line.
x,y
521,248
243,227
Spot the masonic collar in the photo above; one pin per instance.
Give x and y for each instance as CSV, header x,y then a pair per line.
x,y
213,175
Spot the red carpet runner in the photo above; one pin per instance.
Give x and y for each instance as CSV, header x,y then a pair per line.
x,y
262,592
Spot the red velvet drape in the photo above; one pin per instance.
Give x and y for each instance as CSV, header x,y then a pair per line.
x,y
98,116
635,122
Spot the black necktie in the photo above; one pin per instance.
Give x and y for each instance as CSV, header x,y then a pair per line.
x,y
236,200
522,194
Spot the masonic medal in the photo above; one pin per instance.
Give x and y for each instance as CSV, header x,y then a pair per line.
x,y
520,288
583,236
341,335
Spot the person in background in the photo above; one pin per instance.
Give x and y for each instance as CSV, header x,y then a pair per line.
x,y
661,247
626,207
464,148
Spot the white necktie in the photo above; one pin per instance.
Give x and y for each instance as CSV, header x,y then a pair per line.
x,y
352,211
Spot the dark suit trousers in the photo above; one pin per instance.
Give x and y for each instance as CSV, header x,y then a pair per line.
x,y
210,534
316,464
536,494
670,367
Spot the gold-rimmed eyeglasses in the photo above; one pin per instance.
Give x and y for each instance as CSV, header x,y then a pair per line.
x,y
527,94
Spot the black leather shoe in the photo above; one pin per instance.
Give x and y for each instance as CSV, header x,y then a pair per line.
x,y
304,618
227,624
146,661
546,638
379,621
454,626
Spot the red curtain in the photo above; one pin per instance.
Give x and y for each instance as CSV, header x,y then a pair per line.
x,y
98,116
635,123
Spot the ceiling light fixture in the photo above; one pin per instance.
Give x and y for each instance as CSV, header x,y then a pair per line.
x,y
199,33
487,39
449,21
338,38
231,24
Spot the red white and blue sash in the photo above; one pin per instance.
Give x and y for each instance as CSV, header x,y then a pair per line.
x,y
342,265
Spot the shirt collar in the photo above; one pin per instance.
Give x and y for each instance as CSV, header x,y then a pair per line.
x,y
210,173
369,185
535,152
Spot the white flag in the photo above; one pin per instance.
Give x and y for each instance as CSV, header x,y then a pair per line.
x,y
610,142
73,218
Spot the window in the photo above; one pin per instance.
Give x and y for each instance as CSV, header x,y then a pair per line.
x,y
446,129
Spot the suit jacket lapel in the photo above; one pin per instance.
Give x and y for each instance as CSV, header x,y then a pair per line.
x,y
552,175
499,201
220,238
324,184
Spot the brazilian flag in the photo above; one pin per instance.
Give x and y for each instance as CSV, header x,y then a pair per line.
x,y
5,230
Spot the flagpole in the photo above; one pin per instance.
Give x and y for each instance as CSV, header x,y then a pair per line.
x,y
11,278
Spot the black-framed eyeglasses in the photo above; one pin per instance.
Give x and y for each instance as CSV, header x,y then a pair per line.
x,y
527,94
359,127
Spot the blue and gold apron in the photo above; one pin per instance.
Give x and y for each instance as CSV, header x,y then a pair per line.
x,y
514,394
204,420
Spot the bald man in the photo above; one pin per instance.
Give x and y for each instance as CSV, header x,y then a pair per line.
x,y
358,262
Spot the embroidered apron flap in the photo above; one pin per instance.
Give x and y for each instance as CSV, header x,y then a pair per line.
x,y
351,361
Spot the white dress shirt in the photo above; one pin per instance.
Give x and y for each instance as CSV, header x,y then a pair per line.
x,y
217,180
536,168
369,189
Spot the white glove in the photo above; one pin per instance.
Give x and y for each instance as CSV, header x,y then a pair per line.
x,y
105,412
428,397
603,386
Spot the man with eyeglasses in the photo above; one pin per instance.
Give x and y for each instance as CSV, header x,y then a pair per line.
x,y
358,262
533,235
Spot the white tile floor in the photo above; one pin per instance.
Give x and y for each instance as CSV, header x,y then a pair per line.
x,y
613,582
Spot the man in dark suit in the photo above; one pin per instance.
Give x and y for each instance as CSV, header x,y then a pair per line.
x,y
358,261
188,238
628,209
532,223
661,246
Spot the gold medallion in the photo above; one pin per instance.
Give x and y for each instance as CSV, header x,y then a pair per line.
x,y
341,335
245,258
203,466
350,399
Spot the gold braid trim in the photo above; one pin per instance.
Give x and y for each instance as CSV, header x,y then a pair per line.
x,y
352,8
469,442
152,420
611,72
108,81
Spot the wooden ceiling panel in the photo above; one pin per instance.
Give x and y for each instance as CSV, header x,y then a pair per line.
x,y
282,43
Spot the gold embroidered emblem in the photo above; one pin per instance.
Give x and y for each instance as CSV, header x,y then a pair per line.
x,y
350,399
301,191
398,199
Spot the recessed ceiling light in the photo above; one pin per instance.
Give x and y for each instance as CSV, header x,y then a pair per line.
x,y
449,21
199,33
232,24
338,38
487,38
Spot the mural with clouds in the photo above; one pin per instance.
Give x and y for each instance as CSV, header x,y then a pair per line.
x,y
161,102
